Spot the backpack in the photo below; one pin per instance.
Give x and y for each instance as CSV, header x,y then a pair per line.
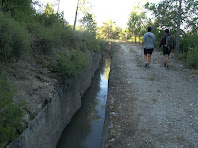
x,y
169,42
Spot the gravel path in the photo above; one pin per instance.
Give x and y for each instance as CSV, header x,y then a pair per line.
x,y
152,107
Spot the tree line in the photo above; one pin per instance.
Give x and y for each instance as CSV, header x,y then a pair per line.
x,y
179,16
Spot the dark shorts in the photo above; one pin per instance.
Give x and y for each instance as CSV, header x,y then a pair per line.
x,y
166,51
148,51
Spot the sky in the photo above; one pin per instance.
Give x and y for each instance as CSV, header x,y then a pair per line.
x,y
103,10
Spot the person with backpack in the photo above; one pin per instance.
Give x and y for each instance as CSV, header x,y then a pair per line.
x,y
148,42
168,45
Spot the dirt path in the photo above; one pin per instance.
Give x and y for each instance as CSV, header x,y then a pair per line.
x,y
152,107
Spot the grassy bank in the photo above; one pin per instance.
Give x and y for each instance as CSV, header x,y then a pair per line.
x,y
26,34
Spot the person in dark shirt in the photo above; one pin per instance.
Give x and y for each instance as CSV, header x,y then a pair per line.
x,y
167,47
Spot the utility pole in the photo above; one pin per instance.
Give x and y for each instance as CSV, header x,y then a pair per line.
x,y
178,28
76,16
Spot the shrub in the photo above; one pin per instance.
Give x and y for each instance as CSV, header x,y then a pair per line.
x,y
81,40
102,44
19,9
10,114
46,39
188,41
192,58
89,42
48,35
67,38
182,55
14,39
72,64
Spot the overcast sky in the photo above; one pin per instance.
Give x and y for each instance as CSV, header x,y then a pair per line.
x,y
103,10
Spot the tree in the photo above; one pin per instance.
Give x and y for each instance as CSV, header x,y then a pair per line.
x,y
58,1
170,15
108,30
189,14
137,21
125,34
49,10
165,12
76,16
83,8
89,23
178,28
19,9
115,32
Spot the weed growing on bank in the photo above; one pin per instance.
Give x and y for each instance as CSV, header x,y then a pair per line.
x,y
14,38
192,58
72,63
10,113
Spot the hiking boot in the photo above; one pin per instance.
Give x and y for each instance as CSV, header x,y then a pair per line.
x,y
167,67
146,64
164,64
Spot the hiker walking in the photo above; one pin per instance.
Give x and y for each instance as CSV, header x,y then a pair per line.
x,y
168,45
148,42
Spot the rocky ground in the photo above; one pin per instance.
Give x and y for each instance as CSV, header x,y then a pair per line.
x,y
152,107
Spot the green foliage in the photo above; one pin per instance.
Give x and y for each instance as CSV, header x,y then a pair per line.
x,y
48,10
104,32
73,63
137,22
89,42
166,13
189,49
89,23
49,31
81,41
125,34
10,113
182,55
108,31
115,32
188,40
192,58
49,37
19,9
14,38
190,14
101,43
20,29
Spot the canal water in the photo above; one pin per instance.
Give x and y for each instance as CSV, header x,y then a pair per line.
x,y
85,128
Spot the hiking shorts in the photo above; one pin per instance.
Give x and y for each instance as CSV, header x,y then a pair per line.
x,y
166,51
148,51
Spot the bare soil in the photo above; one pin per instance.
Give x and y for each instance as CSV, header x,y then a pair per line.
x,y
152,107
35,83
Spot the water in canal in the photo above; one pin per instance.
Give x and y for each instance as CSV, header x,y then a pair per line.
x,y
85,128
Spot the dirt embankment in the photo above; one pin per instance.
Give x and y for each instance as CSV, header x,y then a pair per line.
x,y
152,107
34,83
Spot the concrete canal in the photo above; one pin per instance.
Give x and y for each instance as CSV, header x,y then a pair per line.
x,y
85,128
